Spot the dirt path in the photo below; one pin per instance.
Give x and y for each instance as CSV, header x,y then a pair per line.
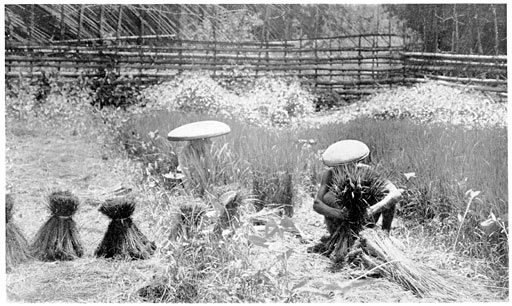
x,y
37,162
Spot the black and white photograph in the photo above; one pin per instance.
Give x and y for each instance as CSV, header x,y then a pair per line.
x,y
259,152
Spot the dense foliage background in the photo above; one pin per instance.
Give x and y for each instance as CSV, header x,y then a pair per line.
x,y
461,28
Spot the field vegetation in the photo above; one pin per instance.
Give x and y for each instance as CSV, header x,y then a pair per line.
x,y
445,147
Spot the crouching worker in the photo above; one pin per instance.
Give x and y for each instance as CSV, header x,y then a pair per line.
x,y
340,157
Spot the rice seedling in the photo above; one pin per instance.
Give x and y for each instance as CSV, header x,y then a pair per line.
x,y
355,188
58,238
448,161
187,221
123,239
230,214
16,245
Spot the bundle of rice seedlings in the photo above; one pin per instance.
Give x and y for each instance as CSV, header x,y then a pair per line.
x,y
356,188
123,239
157,291
381,253
58,238
230,214
16,245
188,219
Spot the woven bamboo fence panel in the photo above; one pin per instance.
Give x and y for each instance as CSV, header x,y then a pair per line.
x,y
349,65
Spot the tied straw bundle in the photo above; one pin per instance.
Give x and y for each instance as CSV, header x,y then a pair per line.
x,y
380,253
16,245
123,239
356,188
58,238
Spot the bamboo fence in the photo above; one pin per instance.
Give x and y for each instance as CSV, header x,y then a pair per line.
x,y
352,65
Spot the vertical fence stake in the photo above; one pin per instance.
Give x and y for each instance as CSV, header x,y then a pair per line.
x,y
390,53
267,68
404,48
118,32
140,44
62,24
316,64
80,20
30,33
330,64
100,25
300,56
359,56
373,60
285,53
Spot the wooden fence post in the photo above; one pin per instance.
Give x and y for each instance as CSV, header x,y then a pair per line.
x,y
330,63
359,64
80,20
100,25
30,33
390,52
118,32
267,57
300,56
62,24
285,53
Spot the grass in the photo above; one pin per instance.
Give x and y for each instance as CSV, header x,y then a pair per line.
x,y
224,269
447,162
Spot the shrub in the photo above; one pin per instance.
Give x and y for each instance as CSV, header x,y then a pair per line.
x,y
109,88
263,101
197,92
434,103
281,99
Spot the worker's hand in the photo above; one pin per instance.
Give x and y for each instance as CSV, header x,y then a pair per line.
x,y
371,210
344,213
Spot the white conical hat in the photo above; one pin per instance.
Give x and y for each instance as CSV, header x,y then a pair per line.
x,y
345,151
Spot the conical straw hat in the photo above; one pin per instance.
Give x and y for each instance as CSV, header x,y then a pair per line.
x,y
345,151
198,130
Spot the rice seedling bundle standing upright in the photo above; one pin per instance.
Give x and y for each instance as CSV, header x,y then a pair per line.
x,y
58,238
16,245
123,239
188,220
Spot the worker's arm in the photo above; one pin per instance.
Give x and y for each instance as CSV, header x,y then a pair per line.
x,y
392,197
320,207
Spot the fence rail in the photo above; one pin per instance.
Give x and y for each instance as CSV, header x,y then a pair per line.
x,y
349,65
